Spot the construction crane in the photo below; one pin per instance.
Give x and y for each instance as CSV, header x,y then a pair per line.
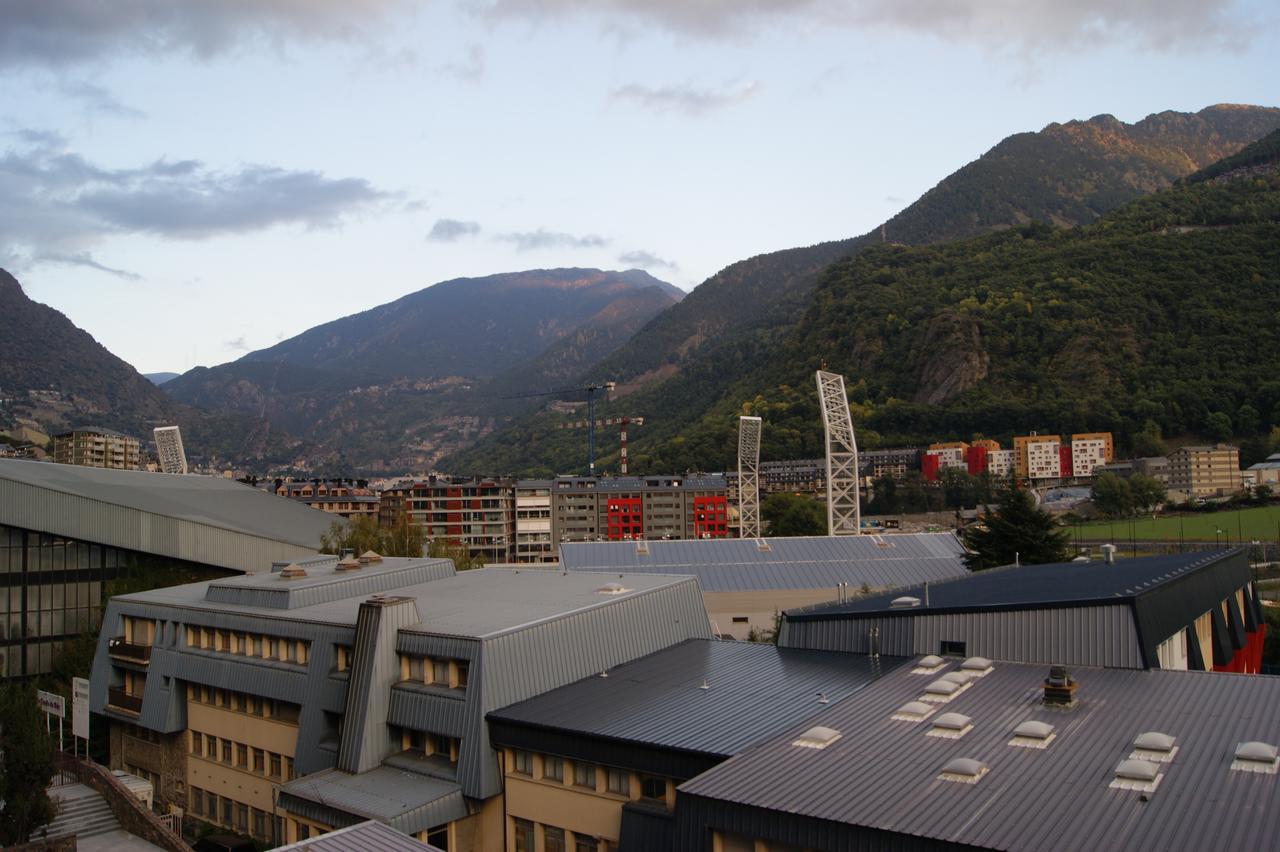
x,y
590,390
622,433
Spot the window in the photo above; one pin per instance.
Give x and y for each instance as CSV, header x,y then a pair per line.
x,y
197,743
653,788
273,648
304,831
440,672
259,823
462,673
584,775
226,811
524,835
619,781
585,844
552,839
212,799
197,801
242,755
242,818
415,669
288,769
439,837
553,768
226,752
259,761
523,762
953,649
275,765
740,619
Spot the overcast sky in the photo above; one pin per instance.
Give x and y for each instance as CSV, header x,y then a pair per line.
x,y
189,181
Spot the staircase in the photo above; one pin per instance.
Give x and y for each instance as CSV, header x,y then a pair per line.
x,y
81,811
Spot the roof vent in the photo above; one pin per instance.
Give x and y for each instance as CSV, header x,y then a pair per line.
x,y
292,572
612,589
1255,757
904,602
348,563
762,545
1136,775
976,666
1155,747
1059,688
942,691
1033,734
370,556
929,664
965,770
817,737
642,548
913,711
951,726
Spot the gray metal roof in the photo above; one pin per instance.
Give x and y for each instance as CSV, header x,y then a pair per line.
x,y
882,774
810,562
404,800
752,691
203,519
373,836
324,583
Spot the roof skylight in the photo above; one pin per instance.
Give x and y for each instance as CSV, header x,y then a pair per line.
x,y
1256,757
818,737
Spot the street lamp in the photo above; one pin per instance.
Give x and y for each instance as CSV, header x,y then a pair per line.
x,y
1216,532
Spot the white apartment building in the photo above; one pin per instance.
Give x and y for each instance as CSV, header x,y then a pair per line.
x,y
1044,459
533,522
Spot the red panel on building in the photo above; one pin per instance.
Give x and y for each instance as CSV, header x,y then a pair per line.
x,y
711,517
976,458
625,519
1064,460
929,467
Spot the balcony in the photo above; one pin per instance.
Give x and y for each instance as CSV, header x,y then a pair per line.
x,y
122,700
131,652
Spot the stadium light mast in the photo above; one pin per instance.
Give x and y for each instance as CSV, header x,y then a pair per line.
x,y
844,515
749,477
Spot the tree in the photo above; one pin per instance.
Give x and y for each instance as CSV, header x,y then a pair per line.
x,y
463,560
1112,496
27,765
1146,491
403,538
884,500
1017,531
1218,426
791,514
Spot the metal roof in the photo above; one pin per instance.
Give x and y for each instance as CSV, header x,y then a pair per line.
x,y
404,800
324,582
372,836
204,519
708,696
1056,584
879,781
809,562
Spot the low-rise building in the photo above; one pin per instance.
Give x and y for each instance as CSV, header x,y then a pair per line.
x,y
1267,472
1206,471
94,446
1088,451
746,583
340,497
330,691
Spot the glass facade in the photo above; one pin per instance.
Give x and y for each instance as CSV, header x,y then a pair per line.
x,y
50,591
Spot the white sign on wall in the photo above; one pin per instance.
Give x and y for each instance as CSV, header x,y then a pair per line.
x,y
80,707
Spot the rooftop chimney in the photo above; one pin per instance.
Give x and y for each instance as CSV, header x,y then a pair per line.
x,y
1059,688
1109,554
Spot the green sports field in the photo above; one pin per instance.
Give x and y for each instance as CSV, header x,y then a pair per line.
x,y
1261,523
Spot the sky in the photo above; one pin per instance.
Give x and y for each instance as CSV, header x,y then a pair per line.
x,y
191,181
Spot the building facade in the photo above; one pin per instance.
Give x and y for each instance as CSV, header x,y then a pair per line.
x,y
1089,450
478,514
169,450
340,497
1208,471
638,508
534,542
96,447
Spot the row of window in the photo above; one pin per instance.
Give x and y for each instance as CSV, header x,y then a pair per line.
x,y
138,732
249,644
259,761
555,839
431,744
438,671
238,816
240,702
618,781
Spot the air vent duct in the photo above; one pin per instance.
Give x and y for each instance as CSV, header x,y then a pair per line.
x,y
1059,688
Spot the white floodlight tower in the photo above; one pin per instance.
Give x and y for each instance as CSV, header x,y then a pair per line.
x,y
749,477
844,516
173,458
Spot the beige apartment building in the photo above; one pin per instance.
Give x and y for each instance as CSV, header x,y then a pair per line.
x,y
1090,450
1205,471
96,447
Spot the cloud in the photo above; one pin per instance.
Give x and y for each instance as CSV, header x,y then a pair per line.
x,y
544,239
85,259
96,99
237,344
1000,24
57,204
471,69
450,230
65,32
687,99
646,260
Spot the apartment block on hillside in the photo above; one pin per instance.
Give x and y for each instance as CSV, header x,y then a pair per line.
x,y
93,446
1207,471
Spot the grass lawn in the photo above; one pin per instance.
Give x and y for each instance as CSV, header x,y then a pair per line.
x,y
1261,523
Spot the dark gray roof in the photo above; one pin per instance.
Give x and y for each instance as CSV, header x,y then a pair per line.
x,y
370,835
810,562
199,518
1018,587
752,691
882,774
404,800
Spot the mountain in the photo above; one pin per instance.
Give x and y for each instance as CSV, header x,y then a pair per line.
x,y
57,376
160,378
392,387
682,363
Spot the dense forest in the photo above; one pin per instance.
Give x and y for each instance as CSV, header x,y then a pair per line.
x,y
1159,319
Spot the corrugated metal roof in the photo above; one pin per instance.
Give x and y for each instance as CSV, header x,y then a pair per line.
x,y
810,562
882,774
1057,584
752,691
386,794
373,836
185,517
325,583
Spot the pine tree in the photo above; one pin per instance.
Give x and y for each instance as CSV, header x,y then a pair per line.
x,y
26,765
1016,532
